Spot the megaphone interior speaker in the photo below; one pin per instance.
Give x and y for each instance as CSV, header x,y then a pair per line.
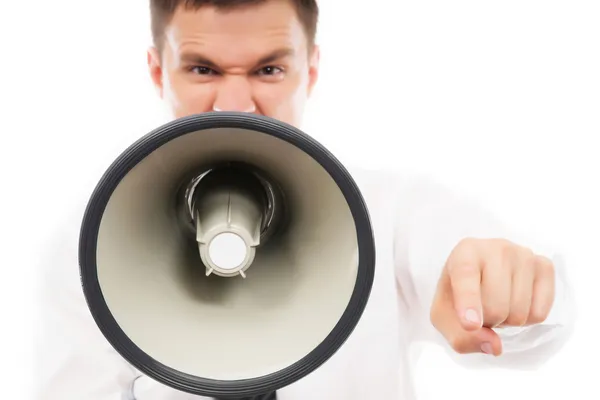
x,y
226,254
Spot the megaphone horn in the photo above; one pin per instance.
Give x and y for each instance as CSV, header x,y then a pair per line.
x,y
226,254
235,208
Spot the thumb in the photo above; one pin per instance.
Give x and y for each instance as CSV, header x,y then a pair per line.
x,y
464,341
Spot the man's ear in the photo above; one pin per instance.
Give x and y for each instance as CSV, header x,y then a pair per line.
x,y
313,68
155,69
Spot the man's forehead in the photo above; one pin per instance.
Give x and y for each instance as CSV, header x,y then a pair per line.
x,y
269,24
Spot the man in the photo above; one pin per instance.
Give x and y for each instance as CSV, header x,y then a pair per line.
x,y
443,273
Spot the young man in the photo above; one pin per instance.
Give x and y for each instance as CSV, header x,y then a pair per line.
x,y
442,275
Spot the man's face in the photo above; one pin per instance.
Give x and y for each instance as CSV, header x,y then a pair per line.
x,y
251,59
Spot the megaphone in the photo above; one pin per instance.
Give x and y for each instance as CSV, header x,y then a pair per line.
x,y
226,254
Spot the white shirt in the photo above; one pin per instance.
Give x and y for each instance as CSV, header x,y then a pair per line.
x,y
416,223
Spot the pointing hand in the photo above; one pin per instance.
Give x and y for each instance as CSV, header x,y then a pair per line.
x,y
488,283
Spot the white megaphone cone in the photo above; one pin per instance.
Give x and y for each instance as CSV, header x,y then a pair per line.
x,y
226,255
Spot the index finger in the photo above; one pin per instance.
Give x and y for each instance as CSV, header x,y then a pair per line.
x,y
464,272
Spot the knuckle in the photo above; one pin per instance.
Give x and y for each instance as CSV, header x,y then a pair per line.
x,y
496,315
518,318
506,251
502,243
537,316
528,253
467,240
467,243
459,344
543,264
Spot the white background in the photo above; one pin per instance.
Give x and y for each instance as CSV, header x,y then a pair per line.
x,y
501,100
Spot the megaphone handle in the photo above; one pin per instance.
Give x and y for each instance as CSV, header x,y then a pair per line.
x,y
268,396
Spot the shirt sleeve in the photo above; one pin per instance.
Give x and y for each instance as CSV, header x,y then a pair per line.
x,y
430,220
74,360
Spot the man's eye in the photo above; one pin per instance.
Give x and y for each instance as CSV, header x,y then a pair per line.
x,y
269,71
203,71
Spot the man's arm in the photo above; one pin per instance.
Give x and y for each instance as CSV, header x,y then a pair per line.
x,y
74,360
430,222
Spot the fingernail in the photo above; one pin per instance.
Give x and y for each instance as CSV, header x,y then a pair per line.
x,y
487,348
472,316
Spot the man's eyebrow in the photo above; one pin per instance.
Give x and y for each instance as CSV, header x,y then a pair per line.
x,y
199,59
276,55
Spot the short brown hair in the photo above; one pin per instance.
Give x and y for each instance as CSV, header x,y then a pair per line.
x,y
161,12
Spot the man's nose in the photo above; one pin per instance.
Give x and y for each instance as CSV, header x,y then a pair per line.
x,y
234,94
